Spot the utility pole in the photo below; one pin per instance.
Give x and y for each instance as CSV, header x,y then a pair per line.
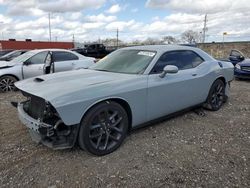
x,y
49,29
117,37
73,38
204,29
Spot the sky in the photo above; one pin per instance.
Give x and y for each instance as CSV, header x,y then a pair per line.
x,y
90,20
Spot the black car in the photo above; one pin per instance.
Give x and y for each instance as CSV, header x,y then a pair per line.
x,y
11,55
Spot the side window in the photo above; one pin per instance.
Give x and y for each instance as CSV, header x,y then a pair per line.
x,y
183,59
192,58
38,58
64,56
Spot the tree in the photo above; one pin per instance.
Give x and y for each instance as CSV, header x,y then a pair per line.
x,y
191,36
111,42
151,41
169,40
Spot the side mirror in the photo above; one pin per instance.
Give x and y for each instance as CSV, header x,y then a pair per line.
x,y
241,57
26,63
169,69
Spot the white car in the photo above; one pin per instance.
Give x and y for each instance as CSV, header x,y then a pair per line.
x,y
39,62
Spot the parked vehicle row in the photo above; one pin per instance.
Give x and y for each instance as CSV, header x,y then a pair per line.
x,y
39,62
128,88
241,63
93,50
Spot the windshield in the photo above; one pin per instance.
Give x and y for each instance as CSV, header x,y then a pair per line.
x,y
125,61
6,55
4,52
23,57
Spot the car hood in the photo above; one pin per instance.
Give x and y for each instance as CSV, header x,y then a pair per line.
x,y
53,86
246,63
4,64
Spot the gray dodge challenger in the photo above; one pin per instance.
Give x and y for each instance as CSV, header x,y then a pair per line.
x,y
96,107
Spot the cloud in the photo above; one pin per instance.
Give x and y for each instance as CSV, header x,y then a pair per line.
x,y
121,25
100,18
198,6
76,16
29,19
114,9
70,5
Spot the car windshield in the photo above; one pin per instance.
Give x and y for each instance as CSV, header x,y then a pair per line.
x,y
10,53
125,61
4,52
23,57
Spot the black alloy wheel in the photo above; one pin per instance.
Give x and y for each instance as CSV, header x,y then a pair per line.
x,y
7,83
216,96
103,129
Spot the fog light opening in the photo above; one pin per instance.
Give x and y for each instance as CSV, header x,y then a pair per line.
x,y
62,129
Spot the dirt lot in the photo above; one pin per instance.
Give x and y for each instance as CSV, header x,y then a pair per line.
x,y
188,150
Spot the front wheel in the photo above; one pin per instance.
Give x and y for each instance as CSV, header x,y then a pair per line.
x,y
216,96
103,129
7,83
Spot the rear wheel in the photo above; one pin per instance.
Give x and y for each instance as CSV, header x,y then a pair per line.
x,y
7,83
216,96
103,129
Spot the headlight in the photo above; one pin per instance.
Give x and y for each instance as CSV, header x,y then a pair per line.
x,y
237,66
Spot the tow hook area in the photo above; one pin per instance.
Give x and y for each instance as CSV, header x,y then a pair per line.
x,y
59,129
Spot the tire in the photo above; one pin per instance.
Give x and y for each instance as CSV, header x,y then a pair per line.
x,y
103,129
216,96
7,83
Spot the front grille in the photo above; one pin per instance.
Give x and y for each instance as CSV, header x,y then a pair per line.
x,y
35,106
244,68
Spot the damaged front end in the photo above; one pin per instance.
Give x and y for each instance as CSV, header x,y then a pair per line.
x,y
45,124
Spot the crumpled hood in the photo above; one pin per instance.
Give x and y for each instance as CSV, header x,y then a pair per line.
x,y
53,86
246,63
6,64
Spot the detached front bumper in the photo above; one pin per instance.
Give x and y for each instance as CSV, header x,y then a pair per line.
x,y
58,136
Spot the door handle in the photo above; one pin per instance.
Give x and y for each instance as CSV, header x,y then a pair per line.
x,y
194,74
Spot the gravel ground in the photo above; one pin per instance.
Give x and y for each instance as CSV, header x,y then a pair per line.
x,y
185,151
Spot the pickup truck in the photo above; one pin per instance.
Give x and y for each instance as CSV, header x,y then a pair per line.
x,y
39,62
93,50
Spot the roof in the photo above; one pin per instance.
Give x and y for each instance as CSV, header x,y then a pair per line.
x,y
49,49
160,48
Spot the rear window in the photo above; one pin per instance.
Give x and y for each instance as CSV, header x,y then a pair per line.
x,y
64,56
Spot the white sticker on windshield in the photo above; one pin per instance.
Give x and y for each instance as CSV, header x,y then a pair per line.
x,y
146,53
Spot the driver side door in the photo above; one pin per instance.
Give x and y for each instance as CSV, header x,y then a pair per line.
x,y
34,66
177,91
